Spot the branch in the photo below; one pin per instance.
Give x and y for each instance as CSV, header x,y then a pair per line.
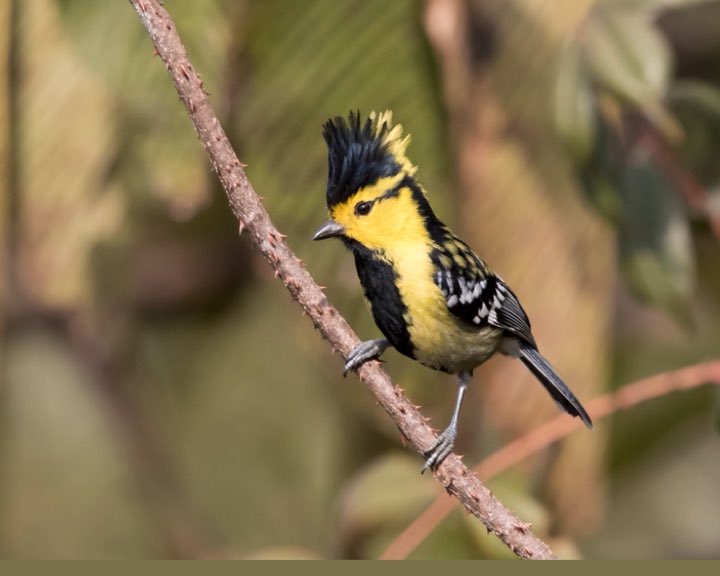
x,y
552,431
251,215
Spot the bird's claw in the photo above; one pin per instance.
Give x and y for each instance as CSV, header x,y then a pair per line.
x,y
364,352
440,450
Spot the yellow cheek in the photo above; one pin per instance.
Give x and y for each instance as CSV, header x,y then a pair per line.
x,y
345,213
393,224
341,215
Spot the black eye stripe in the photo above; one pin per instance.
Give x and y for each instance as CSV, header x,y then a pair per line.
x,y
363,208
390,193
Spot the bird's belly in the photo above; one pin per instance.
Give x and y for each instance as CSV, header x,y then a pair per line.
x,y
442,342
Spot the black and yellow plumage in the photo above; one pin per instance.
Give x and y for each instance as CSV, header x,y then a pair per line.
x,y
430,295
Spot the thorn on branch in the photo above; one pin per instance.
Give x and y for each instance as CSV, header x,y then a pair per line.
x,y
184,70
522,527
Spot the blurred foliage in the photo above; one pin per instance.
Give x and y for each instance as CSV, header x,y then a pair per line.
x,y
641,136
655,244
302,61
160,393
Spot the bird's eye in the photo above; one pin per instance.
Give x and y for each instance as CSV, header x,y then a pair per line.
x,y
363,208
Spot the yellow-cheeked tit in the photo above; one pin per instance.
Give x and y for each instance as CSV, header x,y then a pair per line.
x,y
430,295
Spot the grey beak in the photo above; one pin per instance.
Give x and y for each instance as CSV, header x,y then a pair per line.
x,y
329,229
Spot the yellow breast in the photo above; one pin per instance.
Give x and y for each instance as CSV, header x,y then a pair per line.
x,y
440,340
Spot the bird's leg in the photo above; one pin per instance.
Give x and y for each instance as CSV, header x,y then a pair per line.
x,y
364,352
446,440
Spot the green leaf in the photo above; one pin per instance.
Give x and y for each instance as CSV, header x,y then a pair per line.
x,y
697,106
628,56
601,175
705,96
388,492
574,107
655,242
602,192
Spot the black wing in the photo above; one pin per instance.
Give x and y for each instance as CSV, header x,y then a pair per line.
x,y
474,294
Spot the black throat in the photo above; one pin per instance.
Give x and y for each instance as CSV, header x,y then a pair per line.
x,y
378,279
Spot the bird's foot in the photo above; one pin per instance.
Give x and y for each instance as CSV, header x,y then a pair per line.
x,y
364,352
440,450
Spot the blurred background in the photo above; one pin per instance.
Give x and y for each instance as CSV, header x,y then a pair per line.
x,y
162,396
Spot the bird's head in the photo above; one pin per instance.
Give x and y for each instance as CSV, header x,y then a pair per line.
x,y
372,196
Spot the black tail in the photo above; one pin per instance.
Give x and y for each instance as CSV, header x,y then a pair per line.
x,y
552,382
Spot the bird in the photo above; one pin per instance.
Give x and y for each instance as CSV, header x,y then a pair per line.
x,y
432,298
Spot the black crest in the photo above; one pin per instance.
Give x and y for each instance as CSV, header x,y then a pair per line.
x,y
359,154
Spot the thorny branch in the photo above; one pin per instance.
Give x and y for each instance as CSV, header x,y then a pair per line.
x,y
559,427
252,217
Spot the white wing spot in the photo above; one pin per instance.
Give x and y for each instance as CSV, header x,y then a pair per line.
x,y
468,288
452,301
